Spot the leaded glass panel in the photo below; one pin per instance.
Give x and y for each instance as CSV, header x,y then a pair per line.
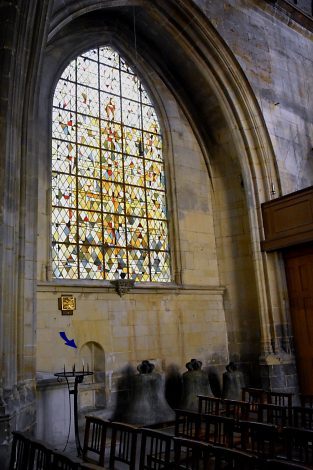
x,y
109,215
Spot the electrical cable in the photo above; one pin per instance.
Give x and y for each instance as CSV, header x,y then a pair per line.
x,y
70,407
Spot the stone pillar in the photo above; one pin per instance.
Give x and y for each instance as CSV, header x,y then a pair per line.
x,y
277,362
22,27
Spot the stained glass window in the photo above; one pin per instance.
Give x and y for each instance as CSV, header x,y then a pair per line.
x,y
109,217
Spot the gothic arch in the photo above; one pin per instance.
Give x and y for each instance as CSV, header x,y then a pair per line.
x,y
92,356
180,43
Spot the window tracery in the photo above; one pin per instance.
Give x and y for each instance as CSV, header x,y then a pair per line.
x,y
109,211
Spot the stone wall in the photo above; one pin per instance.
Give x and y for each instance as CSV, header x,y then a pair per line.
x,y
304,5
22,27
276,54
167,324
211,311
210,305
234,95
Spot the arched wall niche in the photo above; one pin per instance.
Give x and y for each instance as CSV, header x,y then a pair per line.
x,y
180,44
93,393
92,357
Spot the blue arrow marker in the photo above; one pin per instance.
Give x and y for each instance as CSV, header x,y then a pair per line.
x,y
68,342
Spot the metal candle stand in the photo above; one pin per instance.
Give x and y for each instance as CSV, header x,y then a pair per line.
x,y
79,377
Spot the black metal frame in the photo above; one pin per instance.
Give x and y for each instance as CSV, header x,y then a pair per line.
x,y
79,377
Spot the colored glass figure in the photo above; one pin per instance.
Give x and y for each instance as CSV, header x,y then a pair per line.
x,y
109,214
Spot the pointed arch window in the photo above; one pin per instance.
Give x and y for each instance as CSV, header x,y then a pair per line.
x,y
109,211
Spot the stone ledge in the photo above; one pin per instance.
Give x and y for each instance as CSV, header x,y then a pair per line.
x,y
89,287
51,382
293,13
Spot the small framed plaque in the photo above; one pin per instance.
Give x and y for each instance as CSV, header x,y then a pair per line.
x,y
67,304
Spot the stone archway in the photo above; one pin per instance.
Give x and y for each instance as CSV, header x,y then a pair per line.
x,y
220,105
221,102
93,357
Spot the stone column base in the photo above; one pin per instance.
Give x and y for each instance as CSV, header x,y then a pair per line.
x,y
279,374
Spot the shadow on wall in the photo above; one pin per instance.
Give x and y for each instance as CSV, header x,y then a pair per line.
x,y
173,386
150,395
138,395
214,380
127,389
147,395
123,394
134,393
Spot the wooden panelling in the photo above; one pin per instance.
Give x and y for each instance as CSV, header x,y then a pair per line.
x,y
299,275
288,220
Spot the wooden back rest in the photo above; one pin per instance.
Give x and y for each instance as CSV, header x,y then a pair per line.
x,y
96,433
253,395
187,424
236,409
219,430
275,414
275,464
233,458
302,417
191,454
280,398
306,400
155,449
123,444
299,444
208,404
61,461
20,451
40,456
259,438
